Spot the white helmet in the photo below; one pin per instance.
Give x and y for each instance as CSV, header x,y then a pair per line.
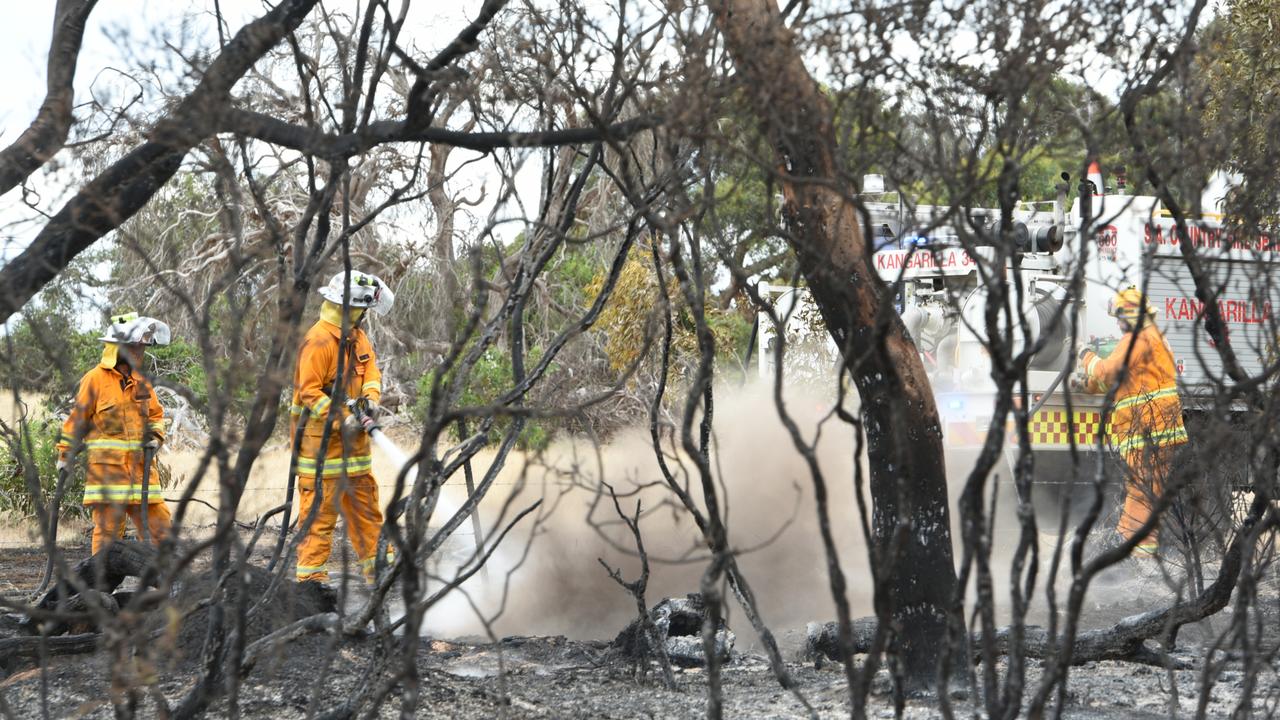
x,y
367,291
131,329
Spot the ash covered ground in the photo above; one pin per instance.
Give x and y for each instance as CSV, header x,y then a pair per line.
x,y
551,676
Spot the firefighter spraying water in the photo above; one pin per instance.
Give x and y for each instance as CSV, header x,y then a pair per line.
x,y
332,441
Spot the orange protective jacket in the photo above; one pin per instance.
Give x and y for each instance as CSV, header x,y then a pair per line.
x,y
313,381
1147,410
115,414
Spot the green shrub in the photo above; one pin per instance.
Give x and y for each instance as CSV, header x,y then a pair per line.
x,y
15,499
179,363
490,379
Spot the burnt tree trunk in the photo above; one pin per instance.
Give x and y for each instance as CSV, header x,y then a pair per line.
x,y
916,574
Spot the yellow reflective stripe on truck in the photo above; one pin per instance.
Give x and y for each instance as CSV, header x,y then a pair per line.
x,y
1050,427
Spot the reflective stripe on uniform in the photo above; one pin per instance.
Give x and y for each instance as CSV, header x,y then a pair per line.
x,y
321,405
1159,438
1146,397
333,467
296,409
371,385
104,444
129,494
369,561
305,570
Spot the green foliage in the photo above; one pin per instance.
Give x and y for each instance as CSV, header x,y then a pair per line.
x,y
569,275
44,354
180,363
1243,58
1242,107
732,332
491,378
15,499
1039,173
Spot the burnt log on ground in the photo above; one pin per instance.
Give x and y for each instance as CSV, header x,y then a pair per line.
x,y
64,609
1137,638
1126,641
181,616
105,571
20,650
679,625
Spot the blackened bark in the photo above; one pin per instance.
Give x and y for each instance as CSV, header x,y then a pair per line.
x,y
904,440
106,570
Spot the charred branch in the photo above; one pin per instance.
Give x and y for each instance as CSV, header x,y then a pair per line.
x,y
316,142
48,132
105,571
644,636
823,643
14,651
426,88
122,189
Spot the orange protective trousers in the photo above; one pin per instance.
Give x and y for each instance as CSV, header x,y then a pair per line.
x,y
108,522
1148,468
358,498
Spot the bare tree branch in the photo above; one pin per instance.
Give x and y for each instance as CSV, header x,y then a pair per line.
x,y
48,132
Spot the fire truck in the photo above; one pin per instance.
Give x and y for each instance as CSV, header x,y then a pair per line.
x,y
1132,240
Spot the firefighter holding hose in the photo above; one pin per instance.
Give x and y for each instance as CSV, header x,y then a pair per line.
x,y
344,463
121,425
1146,417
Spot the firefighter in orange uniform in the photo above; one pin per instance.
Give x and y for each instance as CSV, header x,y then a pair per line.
x,y
345,464
116,415
1146,418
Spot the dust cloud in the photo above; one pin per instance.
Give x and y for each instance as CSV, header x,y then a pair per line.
x,y
562,589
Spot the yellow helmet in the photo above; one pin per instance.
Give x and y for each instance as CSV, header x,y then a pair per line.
x,y
1128,303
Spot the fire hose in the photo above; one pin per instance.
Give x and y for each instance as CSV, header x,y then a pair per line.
x,y
148,454
1052,386
360,409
